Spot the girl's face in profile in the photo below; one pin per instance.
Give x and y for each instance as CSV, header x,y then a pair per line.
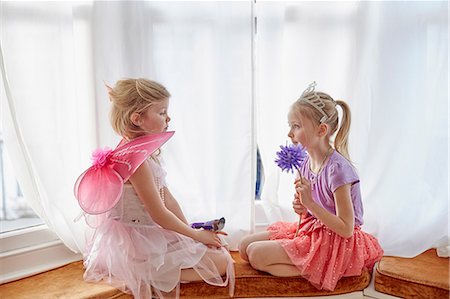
x,y
156,118
301,128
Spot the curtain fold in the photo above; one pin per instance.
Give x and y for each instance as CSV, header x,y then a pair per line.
x,y
389,61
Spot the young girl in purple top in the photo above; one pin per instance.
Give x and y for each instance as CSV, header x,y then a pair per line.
x,y
329,243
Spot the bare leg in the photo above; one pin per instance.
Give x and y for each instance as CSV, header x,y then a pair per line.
x,y
243,245
217,257
269,256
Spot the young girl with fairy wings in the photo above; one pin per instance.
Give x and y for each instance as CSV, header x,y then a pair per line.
x,y
142,243
329,243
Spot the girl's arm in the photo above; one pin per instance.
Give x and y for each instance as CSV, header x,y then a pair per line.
x,y
145,187
173,206
344,221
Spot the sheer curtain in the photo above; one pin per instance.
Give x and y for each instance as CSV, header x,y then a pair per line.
x,y
389,61
48,108
58,56
201,51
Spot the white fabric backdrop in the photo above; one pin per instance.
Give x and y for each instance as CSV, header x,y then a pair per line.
x,y
389,61
202,53
57,56
48,116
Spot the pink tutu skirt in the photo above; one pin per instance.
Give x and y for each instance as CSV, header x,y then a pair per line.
x,y
146,260
321,255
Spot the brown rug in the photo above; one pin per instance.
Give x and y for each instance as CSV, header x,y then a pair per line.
x,y
67,282
424,276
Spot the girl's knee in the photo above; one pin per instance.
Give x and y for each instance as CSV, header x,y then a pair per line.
x,y
243,248
222,264
250,239
221,261
256,255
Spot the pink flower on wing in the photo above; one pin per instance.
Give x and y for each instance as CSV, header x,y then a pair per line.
x,y
100,156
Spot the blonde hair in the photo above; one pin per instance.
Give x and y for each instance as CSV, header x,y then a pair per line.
x,y
328,106
130,96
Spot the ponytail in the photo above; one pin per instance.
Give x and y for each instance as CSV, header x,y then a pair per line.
x,y
321,108
341,140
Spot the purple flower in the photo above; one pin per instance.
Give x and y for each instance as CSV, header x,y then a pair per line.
x,y
290,157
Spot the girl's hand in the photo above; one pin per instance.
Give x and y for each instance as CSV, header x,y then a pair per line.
x,y
298,207
303,188
209,238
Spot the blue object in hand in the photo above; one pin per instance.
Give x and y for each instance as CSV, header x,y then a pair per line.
x,y
212,225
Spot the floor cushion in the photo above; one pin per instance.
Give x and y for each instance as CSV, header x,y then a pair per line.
x,y
252,283
424,276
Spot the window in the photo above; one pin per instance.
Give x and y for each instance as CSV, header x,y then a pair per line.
x,y
27,245
15,212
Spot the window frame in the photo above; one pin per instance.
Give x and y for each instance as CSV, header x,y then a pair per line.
x,y
32,250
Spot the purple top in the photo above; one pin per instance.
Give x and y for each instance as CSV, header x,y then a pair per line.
x,y
337,172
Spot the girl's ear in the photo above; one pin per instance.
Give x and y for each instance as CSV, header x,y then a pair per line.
x,y
136,119
323,130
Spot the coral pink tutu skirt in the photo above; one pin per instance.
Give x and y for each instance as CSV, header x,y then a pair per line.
x,y
321,255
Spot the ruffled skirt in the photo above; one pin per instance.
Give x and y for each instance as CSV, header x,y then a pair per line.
x,y
321,255
146,260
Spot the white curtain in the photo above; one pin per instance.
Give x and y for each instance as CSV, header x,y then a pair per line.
x,y
48,108
57,56
389,61
201,51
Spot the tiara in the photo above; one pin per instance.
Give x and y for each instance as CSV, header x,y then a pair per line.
x,y
311,97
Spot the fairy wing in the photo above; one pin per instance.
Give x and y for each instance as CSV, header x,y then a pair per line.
x,y
128,157
99,188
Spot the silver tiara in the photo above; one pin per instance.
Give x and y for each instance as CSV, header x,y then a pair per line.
x,y
311,97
